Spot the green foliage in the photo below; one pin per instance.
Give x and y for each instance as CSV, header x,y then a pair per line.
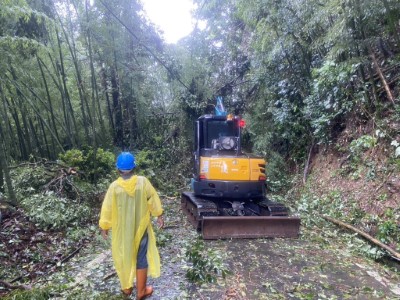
x,y
276,169
362,247
331,204
155,165
207,263
146,161
50,211
77,233
278,146
28,180
74,158
395,162
166,163
94,163
371,171
60,291
163,237
356,165
34,294
329,100
387,231
388,228
397,148
363,143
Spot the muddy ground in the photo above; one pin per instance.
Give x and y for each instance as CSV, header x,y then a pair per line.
x,y
318,265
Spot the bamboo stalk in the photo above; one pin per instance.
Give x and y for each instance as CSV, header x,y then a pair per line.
x,y
385,84
363,234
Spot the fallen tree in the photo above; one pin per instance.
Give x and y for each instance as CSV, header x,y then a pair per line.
x,y
373,240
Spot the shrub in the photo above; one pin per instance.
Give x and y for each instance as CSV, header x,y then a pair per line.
x,y
94,163
363,143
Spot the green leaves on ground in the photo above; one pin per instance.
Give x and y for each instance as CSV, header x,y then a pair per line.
x,y
207,263
50,211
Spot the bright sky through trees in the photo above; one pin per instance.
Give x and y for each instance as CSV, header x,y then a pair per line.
x,y
172,16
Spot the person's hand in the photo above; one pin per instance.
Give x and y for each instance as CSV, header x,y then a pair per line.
x,y
160,222
104,234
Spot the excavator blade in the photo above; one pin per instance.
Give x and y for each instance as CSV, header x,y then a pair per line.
x,y
224,227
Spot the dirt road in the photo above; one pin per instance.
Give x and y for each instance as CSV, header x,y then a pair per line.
x,y
318,265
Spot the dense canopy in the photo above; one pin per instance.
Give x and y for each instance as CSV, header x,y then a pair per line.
x,y
97,73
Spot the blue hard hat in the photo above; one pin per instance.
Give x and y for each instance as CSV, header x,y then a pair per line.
x,y
125,161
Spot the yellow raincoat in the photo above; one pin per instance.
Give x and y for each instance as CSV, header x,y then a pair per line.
x,y
126,209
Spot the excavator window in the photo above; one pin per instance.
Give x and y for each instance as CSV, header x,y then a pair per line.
x,y
219,130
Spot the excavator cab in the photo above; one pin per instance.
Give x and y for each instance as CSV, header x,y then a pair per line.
x,y
218,133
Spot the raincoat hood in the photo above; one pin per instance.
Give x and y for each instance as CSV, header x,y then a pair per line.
x,y
129,185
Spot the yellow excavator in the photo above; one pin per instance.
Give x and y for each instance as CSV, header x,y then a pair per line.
x,y
228,197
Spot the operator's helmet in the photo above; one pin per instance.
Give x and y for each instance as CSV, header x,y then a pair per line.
x,y
125,162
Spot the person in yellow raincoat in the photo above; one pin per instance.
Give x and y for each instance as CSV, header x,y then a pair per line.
x,y
127,208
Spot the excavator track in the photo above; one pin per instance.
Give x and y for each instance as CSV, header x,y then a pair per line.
x,y
259,219
196,208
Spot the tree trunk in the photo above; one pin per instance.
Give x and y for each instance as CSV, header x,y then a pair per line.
x,y
51,110
35,138
9,133
4,152
1,180
119,134
86,115
20,135
12,199
95,95
382,77
38,114
69,112
26,134
109,109
133,113
50,154
68,139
